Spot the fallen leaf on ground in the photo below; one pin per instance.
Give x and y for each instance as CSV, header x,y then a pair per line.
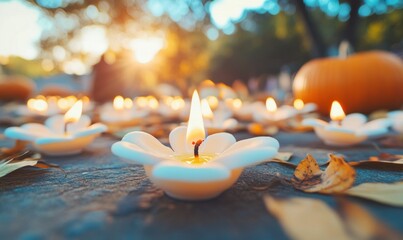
x,y
21,160
393,141
283,156
306,218
338,176
18,147
386,193
362,224
382,158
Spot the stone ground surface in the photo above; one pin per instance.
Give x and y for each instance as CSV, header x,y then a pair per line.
x,y
99,196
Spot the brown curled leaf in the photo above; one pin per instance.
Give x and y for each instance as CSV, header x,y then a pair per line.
x,y
338,176
19,146
383,159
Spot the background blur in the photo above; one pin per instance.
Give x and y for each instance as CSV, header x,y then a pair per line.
x,y
138,43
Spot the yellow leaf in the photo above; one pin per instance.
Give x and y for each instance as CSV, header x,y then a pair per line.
x,y
306,218
338,176
283,156
386,193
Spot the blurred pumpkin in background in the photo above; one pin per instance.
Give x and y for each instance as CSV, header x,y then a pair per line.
x,y
16,88
362,82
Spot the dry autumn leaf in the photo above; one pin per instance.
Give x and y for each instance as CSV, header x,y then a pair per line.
x,y
386,193
20,160
306,218
283,156
18,147
362,224
382,159
337,177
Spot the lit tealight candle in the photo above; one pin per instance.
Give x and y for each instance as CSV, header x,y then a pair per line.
x,y
213,102
206,110
271,105
303,108
218,121
60,134
272,113
298,104
128,103
197,167
39,106
119,103
120,113
73,115
346,130
336,112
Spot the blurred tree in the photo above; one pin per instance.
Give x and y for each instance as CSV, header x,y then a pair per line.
x,y
261,40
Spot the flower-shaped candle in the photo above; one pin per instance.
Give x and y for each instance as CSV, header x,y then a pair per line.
x,y
303,108
346,130
121,112
274,114
196,167
218,121
61,135
396,118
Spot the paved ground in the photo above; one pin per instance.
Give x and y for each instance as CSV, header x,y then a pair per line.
x,y
102,197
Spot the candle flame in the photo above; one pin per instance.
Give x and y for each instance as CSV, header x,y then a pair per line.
x,y
271,105
118,103
195,130
212,101
336,112
128,103
141,102
206,110
298,104
237,103
152,102
66,103
74,113
38,105
177,103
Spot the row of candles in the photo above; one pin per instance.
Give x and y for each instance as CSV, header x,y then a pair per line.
x,y
223,115
196,167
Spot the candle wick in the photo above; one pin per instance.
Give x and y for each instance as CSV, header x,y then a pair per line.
x,y
65,127
196,149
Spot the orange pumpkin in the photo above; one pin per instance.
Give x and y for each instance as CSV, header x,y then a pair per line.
x,y
14,88
362,82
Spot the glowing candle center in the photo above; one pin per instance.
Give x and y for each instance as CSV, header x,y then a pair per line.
x,y
336,112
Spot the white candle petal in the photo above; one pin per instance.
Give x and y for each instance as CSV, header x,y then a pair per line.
x,y
257,142
147,142
96,128
56,124
354,121
132,152
217,143
312,122
374,128
309,107
54,139
246,157
37,129
177,140
230,123
177,171
21,134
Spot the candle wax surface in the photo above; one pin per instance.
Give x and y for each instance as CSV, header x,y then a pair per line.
x,y
191,159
